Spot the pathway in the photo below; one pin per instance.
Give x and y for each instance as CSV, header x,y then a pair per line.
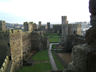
x,y
54,67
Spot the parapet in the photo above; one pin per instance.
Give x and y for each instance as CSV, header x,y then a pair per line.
x,y
14,31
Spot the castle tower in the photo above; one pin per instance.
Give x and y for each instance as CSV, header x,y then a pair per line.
x,y
28,26
39,25
16,49
2,26
64,20
48,26
25,26
64,29
34,25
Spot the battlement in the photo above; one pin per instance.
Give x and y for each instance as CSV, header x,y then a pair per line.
x,y
14,31
30,26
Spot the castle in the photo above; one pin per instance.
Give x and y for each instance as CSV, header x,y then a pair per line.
x,y
17,44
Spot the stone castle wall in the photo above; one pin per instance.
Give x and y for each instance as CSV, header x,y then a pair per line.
x,y
68,33
4,48
74,29
83,59
38,41
22,43
16,49
79,58
77,28
26,43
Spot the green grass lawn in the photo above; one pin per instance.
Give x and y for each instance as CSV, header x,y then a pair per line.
x,y
41,56
42,67
53,37
58,63
38,67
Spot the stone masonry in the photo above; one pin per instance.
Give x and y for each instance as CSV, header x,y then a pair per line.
x,y
26,44
79,57
91,33
39,27
68,32
84,56
4,47
28,26
2,26
64,28
38,41
16,49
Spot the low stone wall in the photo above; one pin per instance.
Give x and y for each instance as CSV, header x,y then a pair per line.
x,y
82,56
79,57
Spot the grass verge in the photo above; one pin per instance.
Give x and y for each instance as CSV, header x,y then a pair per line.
x,y
58,63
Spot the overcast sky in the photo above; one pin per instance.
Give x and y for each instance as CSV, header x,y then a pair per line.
x,y
18,11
